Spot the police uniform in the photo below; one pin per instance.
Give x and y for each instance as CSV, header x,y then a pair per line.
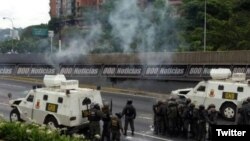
x,y
246,112
94,118
106,123
241,119
130,114
190,120
172,116
212,119
180,121
159,123
155,109
201,122
116,127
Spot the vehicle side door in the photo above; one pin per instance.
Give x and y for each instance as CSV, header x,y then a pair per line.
x,y
199,94
27,106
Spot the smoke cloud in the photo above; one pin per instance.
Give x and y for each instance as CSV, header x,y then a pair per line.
x,y
125,22
78,46
135,28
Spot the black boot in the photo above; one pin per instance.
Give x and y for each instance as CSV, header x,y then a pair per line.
x,y
125,133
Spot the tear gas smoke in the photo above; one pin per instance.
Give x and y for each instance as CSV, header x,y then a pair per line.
x,y
135,28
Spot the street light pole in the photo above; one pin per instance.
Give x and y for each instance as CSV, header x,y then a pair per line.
x,y
205,25
51,35
7,18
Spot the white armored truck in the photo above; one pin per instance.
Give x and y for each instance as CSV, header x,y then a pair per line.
x,y
61,103
226,90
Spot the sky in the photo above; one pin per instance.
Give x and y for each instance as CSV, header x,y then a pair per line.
x,y
24,13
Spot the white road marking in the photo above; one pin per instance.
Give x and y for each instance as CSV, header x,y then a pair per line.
x,y
129,94
142,117
11,85
151,128
150,136
5,104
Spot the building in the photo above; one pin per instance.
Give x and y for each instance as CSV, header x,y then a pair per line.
x,y
73,10
79,4
64,8
54,8
61,8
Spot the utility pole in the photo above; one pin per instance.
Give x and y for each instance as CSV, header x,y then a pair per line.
x,y
60,26
11,32
51,35
205,25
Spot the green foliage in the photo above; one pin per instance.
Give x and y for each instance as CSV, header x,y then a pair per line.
x,y
17,131
228,24
28,43
54,24
160,27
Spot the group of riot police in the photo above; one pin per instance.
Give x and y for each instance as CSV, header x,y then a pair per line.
x,y
172,117
112,124
244,113
176,117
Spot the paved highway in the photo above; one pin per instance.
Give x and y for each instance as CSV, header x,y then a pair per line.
x,y
143,106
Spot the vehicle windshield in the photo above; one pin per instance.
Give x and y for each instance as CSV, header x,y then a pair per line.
x,y
24,93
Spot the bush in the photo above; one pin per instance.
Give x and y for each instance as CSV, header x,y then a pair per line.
x,y
17,131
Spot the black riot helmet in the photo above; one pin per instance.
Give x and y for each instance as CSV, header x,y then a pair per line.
x,y
201,107
129,101
192,105
188,101
96,106
211,106
248,99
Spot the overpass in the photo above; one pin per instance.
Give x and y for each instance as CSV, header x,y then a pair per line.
x,y
138,71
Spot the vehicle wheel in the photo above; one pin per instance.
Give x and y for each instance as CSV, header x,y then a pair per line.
x,y
15,115
51,122
228,111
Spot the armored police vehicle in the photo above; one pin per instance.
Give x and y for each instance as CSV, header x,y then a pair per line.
x,y
61,103
226,90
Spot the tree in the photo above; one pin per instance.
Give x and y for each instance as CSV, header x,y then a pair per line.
x,y
227,24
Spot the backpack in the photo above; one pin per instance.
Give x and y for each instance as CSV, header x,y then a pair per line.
x,y
172,111
93,116
114,123
129,111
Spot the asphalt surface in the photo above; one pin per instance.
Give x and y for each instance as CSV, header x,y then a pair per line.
x,y
143,104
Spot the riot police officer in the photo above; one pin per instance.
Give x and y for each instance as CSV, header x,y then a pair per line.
x,y
94,118
186,117
246,112
241,119
201,123
116,127
180,120
190,120
159,118
106,122
172,113
155,109
130,114
212,119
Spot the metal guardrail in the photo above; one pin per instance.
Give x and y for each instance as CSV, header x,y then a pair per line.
x,y
156,66
133,71
218,57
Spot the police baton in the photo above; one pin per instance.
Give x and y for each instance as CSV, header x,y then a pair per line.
x,y
111,106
